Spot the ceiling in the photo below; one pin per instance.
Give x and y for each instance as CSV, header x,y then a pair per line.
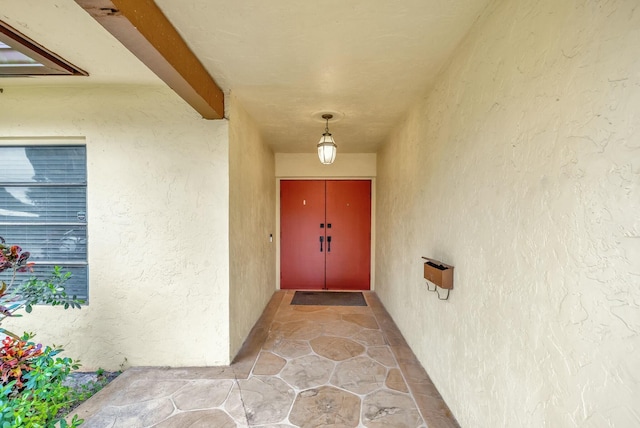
x,y
287,61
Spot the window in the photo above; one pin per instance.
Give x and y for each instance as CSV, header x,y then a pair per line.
x,y
21,56
43,208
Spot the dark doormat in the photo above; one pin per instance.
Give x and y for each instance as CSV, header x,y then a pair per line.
x,y
329,298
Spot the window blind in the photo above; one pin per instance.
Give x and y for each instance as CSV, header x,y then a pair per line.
x,y
43,208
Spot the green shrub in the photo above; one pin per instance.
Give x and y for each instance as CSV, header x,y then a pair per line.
x,y
42,396
32,394
24,295
16,358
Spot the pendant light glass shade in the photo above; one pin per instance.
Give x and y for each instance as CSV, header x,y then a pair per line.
x,y
327,148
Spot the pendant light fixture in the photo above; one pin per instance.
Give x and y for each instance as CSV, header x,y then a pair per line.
x,y
327,148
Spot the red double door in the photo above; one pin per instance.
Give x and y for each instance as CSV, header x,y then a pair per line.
x,y
325,234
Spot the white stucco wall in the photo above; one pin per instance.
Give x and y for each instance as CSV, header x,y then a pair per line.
x,y
522,169
251,221
158,225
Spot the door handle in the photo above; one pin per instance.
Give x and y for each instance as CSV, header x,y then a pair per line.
x,y
328,244
321,241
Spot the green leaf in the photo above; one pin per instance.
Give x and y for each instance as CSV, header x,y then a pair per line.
x,y
28,309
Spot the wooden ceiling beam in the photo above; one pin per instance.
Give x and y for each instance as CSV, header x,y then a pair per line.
x,y
143,29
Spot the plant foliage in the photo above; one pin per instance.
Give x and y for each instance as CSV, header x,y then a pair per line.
x,y
15,296
16,359
38,402
32,394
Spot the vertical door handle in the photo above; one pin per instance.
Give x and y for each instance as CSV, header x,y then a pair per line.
x,y
328,244
321,241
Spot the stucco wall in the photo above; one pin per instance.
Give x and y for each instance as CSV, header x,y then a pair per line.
x,y
251,221
158,225
307,165
522,169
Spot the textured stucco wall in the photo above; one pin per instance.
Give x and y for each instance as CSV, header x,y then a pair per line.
x,y
251,221
158,225
307,165
521,167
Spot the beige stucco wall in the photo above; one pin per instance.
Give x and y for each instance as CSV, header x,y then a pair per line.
x,y
522,169
251,221
307,165
158,225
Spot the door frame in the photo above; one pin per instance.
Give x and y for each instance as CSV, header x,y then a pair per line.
x,y
373,219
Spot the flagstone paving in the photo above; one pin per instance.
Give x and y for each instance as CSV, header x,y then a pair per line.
x,y
306,366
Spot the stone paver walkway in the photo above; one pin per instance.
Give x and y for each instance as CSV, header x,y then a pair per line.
x,y
306,366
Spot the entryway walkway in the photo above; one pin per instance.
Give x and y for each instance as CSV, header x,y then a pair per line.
x,y
307,366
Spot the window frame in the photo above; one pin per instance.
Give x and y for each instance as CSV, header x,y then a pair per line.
x,y
46,62
83,283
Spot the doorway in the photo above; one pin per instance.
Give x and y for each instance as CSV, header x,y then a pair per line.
x,y
325,228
